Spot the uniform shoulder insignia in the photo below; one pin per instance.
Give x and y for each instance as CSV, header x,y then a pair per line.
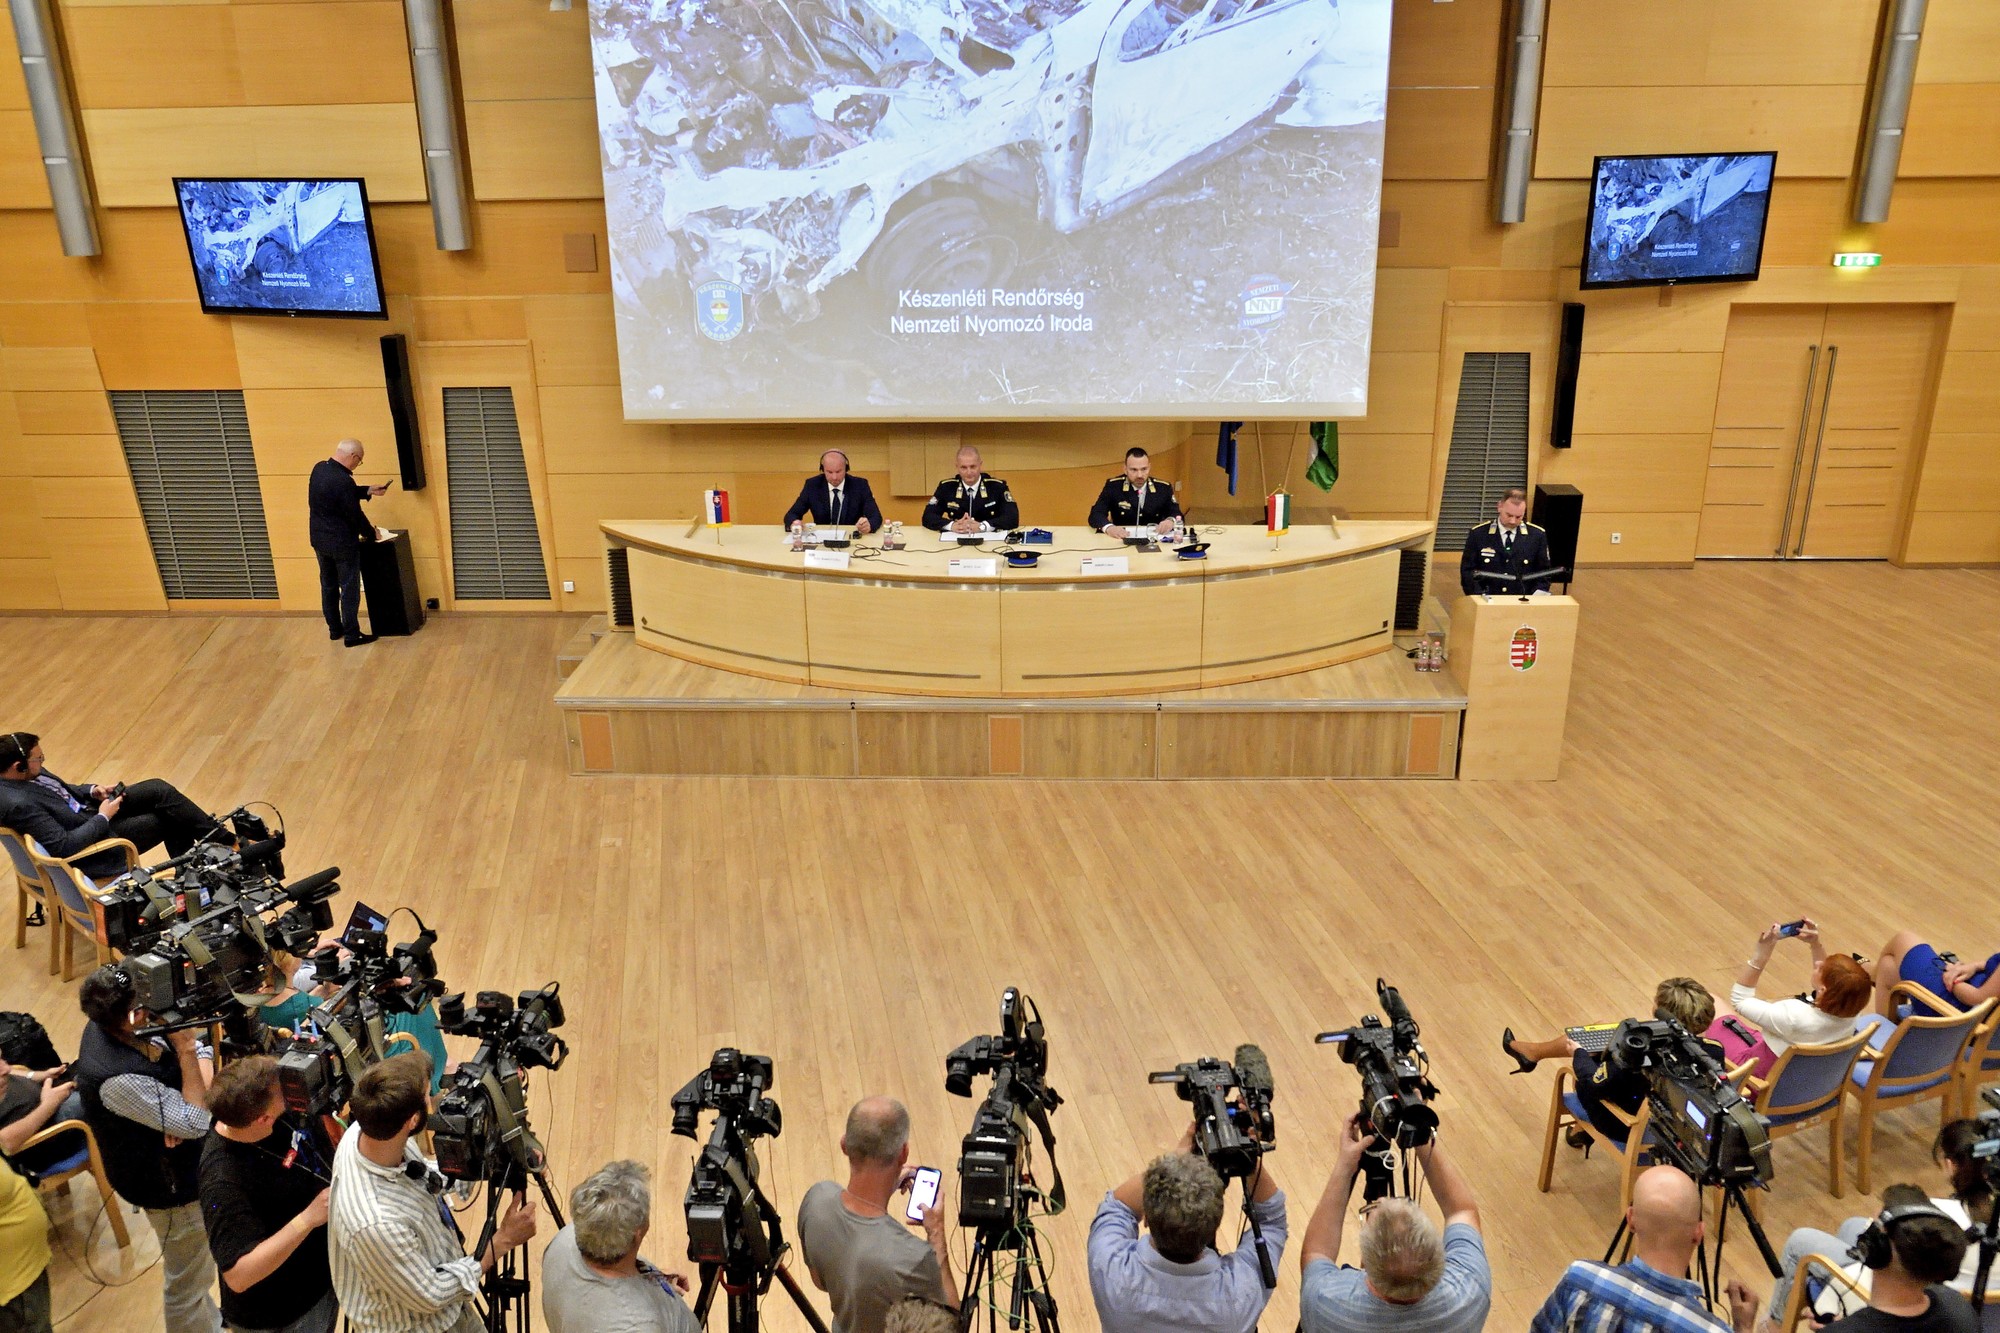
x,y
1536,526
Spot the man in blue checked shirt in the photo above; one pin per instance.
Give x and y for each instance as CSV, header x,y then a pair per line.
x,y
1648,1293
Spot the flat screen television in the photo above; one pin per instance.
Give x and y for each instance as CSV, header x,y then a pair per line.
x,y
1666,219
282,247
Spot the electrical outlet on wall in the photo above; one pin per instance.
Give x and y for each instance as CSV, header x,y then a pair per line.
x,y
1617,537
569,585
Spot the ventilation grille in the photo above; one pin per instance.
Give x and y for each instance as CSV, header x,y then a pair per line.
x,y
496,549
1489,443
1410,589
196,478
618,577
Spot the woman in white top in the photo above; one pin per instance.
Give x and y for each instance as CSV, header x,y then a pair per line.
x,y
1841,989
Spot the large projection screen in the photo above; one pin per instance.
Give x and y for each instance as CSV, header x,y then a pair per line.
x,y
991,209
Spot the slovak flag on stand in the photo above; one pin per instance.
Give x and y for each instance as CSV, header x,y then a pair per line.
x,y
1277,513
715,506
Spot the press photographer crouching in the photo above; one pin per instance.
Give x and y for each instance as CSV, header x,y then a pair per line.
x,y
1173,1277
398,1266
1601,1079
593,1279
1411,1275
145,1101
264,1194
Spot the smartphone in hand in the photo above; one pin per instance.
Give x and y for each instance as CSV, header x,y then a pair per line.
x,y
923,1192
1791,929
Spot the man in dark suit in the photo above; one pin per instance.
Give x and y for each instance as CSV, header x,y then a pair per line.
x,y
836,497
971,499
1508,545
66,818
1134,504
338,529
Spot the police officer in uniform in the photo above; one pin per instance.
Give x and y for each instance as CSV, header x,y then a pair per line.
x,y
1508,545
1134,504
971,499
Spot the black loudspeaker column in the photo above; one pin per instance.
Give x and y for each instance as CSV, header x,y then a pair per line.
x,y
1559,513
1569,355
403,409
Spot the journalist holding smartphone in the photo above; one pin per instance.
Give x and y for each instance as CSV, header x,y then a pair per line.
x,y
1762,1030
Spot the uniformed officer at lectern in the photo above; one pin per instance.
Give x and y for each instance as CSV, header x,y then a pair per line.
x,y
971,500
1135,502
1508,545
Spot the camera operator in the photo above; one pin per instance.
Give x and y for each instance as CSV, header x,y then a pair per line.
x,y
65,818
264,1198
1601,1081
145,1101
857,1253
593,1280
398,1266
1173,1278
1650,1290
1410,1276
1912,1249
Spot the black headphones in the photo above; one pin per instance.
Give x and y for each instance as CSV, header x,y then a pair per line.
x,y
20,752
1874,1248
843,460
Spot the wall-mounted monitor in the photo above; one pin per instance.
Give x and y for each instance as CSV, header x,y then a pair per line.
x,y
282,247
1662,219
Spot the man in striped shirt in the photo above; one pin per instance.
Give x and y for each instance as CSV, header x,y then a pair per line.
x,y
1649,1293
398,1264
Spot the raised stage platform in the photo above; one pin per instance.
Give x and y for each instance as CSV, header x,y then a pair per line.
x,y
628,709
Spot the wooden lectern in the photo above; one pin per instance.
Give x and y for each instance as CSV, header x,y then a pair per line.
x,y
1512,658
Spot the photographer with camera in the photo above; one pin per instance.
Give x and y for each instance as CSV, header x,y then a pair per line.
x,y
65,818
1411,1276
1602,1080
1651,1290
1173,1277
857,1253
264,1194
398,1265
145,1100
593,1280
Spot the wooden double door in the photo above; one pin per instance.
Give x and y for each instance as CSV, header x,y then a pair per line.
x,y
1816,423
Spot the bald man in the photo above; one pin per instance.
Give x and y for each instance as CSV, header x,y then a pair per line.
x,y
1651,1290
858,1251
338,528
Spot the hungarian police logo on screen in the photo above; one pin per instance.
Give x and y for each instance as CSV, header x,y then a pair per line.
x,y
718,309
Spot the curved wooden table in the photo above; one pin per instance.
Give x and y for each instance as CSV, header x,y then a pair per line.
x,y
901,622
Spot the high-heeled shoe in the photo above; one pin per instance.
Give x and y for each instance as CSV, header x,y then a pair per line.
x,y
1527,1066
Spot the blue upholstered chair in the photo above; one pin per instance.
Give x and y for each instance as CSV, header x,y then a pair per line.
x,y
83,1157
1981,1063
1909,1062
1808,1085
1566,1112
73,893
29,887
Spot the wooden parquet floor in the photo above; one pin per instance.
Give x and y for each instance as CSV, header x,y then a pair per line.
x,y
1746,743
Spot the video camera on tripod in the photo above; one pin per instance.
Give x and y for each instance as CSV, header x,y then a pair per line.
x,y
480,1127
1703,1125
1986,1151
1396,1089
317,1069
1232,1136
146,902
992,1161
734,1232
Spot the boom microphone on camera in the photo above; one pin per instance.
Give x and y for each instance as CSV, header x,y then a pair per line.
x,y
1253,1071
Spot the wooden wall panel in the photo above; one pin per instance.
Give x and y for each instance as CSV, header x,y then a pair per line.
x,y
1409,309
574,339
1953,539
136,153
1694,320
85,497
1439,224
20,522
1645,539
518,250
23,182
29,585
1639,43
210,55
1951,130
534,150
1633,473
1445,46
1651,393
58,368
443,319
1961,42
1438,134
77,412
1402,392
104,564
522,49
1961,472
1968,393
145,259
69,455
153,56
44,324
162,345
320,354
292,429
1813,129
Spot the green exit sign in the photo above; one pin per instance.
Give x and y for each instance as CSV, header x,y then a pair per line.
x,y
1856,259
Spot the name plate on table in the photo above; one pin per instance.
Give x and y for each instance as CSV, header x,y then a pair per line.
x,y
973,568
827,559
1106,564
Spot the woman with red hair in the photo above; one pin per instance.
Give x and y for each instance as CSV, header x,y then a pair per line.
x,y
1762,1030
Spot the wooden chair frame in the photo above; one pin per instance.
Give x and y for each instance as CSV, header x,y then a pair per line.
x,y
1871,1100
1834,1109
93,1163
1799,1301
1972,1070
54,866
1629,1151
37,893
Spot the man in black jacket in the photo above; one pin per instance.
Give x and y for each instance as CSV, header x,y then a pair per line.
x,y
338,529
67,817
1135,505
971,499
836,497
1508,545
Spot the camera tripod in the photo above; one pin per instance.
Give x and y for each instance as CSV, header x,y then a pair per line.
x,y
506,1286
745,1290
1707,1273
1030,1285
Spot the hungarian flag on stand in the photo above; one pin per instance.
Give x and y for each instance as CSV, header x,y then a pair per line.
x,y
715,507
1324,470
1277,513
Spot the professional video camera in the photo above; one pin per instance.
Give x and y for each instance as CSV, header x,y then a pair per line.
x,y
348,1031
1986,1150
1232,1136
204,969
1703,1126
480,1128
142,904
1396,1090
734,1232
